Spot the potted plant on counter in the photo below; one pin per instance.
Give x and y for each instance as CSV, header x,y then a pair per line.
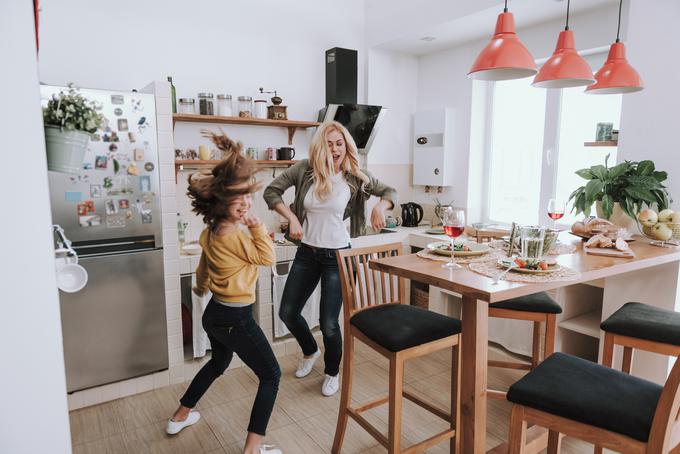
x,y
69,120
620,192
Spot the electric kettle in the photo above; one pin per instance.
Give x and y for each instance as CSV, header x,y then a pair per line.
x,y
411,214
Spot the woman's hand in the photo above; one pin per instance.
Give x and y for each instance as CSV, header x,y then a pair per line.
x,y
378,215
252,221
294,228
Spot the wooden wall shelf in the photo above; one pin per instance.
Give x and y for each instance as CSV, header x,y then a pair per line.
x,y
200,164
291,125
602,143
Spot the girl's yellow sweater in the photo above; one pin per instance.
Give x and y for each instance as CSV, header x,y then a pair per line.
x,y
228,266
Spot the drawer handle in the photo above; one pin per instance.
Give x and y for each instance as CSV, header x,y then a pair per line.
x,y
421,140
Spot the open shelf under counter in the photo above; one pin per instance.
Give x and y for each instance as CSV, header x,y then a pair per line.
x,y
196,164
291,125
588,324
602,143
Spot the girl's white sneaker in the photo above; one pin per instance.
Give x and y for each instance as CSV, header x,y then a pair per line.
x,y
306,365
331,384
174,427
269,449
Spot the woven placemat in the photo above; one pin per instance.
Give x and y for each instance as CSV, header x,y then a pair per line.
x,y
493,255
492,269
558,249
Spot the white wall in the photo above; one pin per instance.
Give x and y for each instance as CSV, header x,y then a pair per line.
x,y
649,119
34,417
443,82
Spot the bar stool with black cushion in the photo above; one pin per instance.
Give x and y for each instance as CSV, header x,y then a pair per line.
x,y
578,398
538,308
641,326
375,313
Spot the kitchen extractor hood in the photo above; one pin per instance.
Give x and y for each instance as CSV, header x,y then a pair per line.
x,y
361,120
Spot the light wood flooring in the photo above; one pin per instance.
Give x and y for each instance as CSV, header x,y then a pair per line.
x,y
303,420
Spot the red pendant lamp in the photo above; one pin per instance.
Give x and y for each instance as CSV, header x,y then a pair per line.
x,y
565,68
505,57
617,76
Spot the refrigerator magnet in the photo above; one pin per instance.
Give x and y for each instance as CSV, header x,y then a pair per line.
x,y
122,124
146,217
118,111
95,191
108,183
82,209
101,162
89,206
136,105
144,183
117,99
87,166
91,220
95,138
138,154
115,221
114,137
131,137
148,166
113,147
73,196
124,204
128,214
133,169
111,207
142,124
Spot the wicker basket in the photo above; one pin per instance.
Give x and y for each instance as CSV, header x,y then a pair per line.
x,y
674,227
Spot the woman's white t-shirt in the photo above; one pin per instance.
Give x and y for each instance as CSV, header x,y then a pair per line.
x,y
323,226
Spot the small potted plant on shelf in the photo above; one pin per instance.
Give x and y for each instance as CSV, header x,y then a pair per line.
x,y
621,192
69,120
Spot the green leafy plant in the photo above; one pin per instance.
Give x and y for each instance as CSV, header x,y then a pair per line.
x,y
73,112
631,184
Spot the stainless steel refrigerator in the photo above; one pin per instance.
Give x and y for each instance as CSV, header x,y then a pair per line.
x,y
114,328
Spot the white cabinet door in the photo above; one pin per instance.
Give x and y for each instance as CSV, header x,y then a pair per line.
x,y
428,165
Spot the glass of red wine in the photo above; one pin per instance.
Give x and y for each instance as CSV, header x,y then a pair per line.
x,y
454,225
555,211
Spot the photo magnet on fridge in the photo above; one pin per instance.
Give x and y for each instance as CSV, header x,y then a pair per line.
x,y
101,162
95,191
146,217
115,221
90,220
82,209
124,204
138,154
89,205
144,183
122,124
118,111
117,99
111,207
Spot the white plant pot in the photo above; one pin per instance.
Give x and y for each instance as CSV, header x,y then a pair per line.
x,y
65,149
618,217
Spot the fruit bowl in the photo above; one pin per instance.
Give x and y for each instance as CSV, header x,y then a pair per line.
x,y
662,228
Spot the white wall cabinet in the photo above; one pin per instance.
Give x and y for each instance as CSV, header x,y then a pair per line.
x,y
433,147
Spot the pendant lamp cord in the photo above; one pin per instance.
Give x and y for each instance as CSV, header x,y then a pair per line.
x,y
505,10
567,26
618,28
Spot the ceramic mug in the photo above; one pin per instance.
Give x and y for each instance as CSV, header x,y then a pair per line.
x,y
270,154
391,222
285,153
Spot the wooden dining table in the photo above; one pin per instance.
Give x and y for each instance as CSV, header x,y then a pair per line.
x,y
652,276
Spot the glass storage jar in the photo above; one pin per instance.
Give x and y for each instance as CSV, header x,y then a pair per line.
x,y
224,105
245,106
205,104
260,108
186,106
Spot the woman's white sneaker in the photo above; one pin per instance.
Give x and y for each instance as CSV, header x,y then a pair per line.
x,y
331,384
269,449
174,427
307,364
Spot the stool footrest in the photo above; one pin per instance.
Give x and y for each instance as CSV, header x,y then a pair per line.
x,y
382,439
372,404
443,414
509,365
434,440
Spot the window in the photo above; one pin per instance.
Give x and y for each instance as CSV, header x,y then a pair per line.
x,y
535,144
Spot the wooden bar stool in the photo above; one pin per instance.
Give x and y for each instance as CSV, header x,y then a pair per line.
x,y
538,308
637,325
375,313
574,397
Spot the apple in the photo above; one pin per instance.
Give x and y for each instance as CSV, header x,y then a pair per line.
x,y
648,217
664,215
662,232
674,218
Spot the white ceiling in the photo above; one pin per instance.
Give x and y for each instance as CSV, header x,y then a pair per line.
x,y
481,24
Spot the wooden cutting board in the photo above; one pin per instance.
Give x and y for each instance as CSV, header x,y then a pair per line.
x,y
609,252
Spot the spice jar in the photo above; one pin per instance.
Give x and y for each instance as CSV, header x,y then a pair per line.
x,y
245,106
205,104
224,105
186,106
260,108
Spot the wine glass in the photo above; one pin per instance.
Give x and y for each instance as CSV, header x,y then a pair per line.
x,y
555,211
454,225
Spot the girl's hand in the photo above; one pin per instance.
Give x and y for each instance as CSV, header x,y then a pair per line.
x,y
378,216
252,221
197,292
294,228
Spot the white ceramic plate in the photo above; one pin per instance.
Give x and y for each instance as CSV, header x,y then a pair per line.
x,y
552,266
442,248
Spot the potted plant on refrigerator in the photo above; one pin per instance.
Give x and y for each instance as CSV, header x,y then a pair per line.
x,y
69,120
621,192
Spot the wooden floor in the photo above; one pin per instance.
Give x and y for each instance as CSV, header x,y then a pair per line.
x,y
303,420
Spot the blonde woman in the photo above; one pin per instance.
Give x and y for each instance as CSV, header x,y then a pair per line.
x,y
329,188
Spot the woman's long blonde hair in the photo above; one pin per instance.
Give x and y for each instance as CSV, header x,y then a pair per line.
x,y
321,158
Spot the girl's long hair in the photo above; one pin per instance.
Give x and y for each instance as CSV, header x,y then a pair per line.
x,y
321,158
212,194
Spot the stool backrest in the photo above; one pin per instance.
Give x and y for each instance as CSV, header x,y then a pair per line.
x,y
666,415
363,287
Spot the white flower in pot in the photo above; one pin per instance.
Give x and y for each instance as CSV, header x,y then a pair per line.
x,y
69,120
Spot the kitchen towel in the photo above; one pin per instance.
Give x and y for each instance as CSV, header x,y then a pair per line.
x,y
198,305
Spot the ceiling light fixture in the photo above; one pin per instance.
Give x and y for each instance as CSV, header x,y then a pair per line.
x,y
505,57
565,68
616,76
